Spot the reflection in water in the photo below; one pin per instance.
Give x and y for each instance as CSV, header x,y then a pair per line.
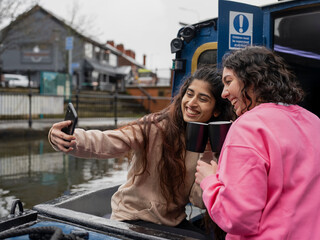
x,y
32,172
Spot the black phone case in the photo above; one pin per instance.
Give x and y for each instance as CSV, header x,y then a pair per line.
x,y
71,114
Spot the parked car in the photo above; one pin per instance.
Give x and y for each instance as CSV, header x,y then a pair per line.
x,y
16,80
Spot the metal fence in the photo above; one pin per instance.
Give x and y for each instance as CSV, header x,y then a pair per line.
x,y
34,106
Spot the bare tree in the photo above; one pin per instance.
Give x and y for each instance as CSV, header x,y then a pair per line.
x,y
10,9
77,18
18,25
81,21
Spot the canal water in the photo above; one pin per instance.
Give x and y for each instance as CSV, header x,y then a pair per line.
x,y
30,170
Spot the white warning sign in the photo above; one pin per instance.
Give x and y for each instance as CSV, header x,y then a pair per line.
x,y
240,29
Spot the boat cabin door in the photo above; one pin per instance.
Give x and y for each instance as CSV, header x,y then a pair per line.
x,y
238,25
290,28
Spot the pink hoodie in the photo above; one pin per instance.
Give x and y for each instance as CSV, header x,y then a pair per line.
x,y
268,181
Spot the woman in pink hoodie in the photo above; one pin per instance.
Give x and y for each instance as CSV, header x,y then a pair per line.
x,y
266,183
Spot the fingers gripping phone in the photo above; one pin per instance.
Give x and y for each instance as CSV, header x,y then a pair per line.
x,y
72,115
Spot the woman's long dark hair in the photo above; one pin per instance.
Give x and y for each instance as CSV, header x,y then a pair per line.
x,y
172,170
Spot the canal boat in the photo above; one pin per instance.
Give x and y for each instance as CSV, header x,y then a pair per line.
x,y
85,215
287,27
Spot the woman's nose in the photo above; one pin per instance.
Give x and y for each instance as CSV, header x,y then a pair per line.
x,y
224,93
193,101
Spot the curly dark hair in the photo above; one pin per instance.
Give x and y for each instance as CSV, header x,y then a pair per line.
x,y
172,166
266,73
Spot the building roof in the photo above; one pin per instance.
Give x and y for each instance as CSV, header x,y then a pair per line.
x,y
91,64
74,31
119,53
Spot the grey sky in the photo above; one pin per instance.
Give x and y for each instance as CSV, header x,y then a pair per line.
x,y
144,26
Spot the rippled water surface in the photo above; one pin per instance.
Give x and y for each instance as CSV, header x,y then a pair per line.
x,y
30,170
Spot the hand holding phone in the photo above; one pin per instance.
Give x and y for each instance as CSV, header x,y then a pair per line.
x,y
72,115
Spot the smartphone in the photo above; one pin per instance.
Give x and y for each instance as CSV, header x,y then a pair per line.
x,y
72,115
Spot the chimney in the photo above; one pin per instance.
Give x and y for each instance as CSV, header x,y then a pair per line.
x,y
110,42
120,47
144,59
130,53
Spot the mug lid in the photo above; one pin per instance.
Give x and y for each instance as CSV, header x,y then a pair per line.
x,y
220,122
201,123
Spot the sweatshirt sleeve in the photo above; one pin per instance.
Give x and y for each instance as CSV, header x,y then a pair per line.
x,y
235,196
105,144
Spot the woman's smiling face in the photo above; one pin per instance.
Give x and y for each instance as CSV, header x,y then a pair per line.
x,y
198,103
232,91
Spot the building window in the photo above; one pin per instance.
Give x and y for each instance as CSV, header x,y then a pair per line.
x,y
97,53
113,60
105,57
88,50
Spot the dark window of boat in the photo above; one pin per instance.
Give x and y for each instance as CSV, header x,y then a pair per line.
x,y
208,57
296,39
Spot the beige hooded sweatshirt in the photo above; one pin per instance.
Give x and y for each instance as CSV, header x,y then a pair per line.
x,y
141,199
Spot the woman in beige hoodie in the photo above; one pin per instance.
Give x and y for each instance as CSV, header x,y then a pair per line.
x,y
160,181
